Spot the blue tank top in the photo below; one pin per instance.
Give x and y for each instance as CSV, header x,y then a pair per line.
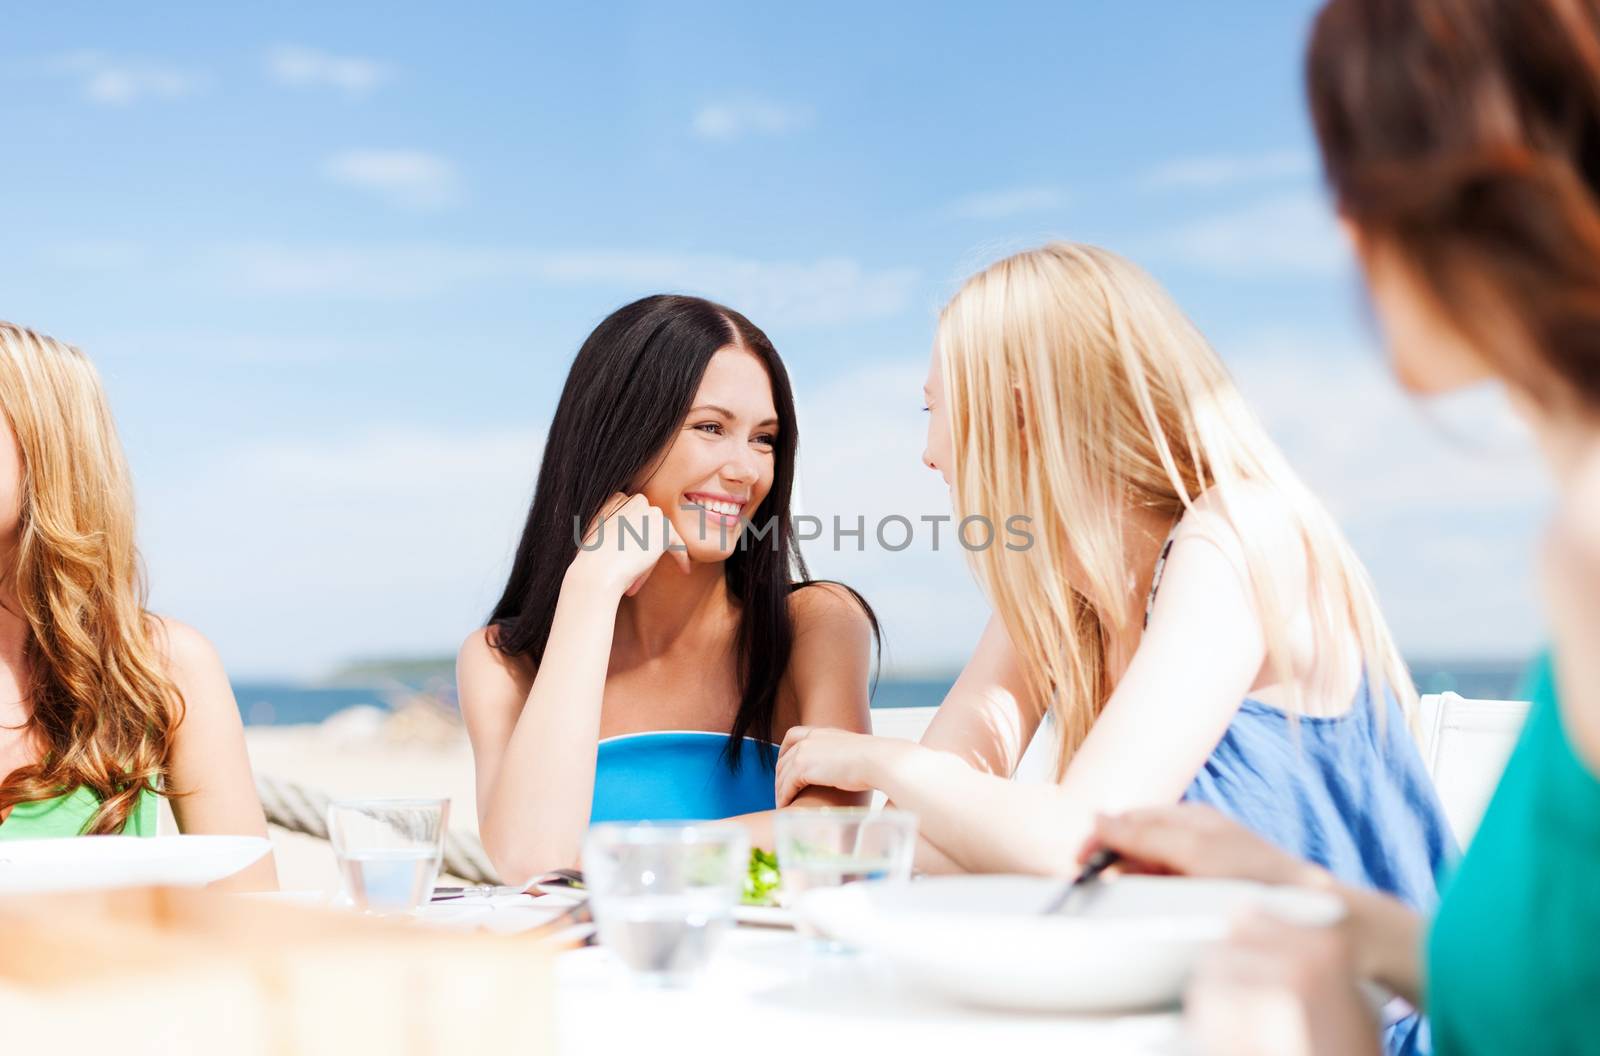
x,y
1350,797
1344,791
680,775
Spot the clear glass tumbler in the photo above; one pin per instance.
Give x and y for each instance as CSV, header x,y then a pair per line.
x,y
388,850
829,847
663,894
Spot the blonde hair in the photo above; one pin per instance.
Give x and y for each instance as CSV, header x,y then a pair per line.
x,y
1122,405
99,698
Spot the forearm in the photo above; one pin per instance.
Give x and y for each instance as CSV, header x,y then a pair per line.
x,y
979,822
537,810
760,825
930,859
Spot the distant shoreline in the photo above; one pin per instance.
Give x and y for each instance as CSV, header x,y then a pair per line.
x,y
267,702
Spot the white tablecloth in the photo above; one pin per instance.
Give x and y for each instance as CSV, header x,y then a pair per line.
x,y
769,992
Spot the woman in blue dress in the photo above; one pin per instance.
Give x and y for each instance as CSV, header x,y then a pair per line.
x,y
1174,598
658,633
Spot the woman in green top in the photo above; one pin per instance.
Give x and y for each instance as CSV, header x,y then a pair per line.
x,y
103,705
1461,139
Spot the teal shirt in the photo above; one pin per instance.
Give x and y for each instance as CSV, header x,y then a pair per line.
x,y
68,815
1514,954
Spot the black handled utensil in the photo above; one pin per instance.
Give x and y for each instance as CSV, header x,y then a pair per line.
x,y
1098,863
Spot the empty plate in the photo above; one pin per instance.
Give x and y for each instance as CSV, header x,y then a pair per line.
x,y
981,940
81,863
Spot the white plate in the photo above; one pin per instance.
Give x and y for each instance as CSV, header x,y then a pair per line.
x,y
81,863
980,939
755,916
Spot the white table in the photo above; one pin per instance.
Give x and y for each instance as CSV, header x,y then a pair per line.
x,y
769,992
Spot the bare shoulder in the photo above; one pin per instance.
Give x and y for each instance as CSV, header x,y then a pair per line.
x,y
189,655
1255,529
1244,518
830,607
195,667
484,671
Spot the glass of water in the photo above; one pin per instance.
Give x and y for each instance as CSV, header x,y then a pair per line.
x,y
832,846
388,850
663,894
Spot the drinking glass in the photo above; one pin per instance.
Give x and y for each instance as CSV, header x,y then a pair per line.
x,y
832,846
663,894
388,850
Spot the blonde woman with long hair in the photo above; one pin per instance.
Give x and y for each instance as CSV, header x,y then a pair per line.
x,y
1187,612
104,706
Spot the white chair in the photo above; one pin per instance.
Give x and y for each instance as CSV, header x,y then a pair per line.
x,y
1465,745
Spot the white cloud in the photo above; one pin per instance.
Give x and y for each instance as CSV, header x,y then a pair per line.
x,y
1286,235
1227,170
827,291
1375,453
294,555
117,81
1012,201
407,178
736,118
1442,499
302,67
819,292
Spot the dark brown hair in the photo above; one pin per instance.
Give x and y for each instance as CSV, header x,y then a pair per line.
x,y
1465,136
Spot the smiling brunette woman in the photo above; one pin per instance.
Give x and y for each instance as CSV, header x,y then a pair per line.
x,y
612,685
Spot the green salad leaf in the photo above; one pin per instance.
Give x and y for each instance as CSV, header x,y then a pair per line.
x,y
762,880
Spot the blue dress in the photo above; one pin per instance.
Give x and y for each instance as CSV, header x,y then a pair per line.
x,y
1344,791
680,775
1351,797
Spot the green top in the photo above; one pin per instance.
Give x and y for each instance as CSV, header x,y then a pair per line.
x,y
1513,961
68,815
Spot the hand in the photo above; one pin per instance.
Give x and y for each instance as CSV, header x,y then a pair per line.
x,y
625,542
830,758
1275,989
1195,840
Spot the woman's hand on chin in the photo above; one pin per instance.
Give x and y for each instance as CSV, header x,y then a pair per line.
x,y
624,544
831,758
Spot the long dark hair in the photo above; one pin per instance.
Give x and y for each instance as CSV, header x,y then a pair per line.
x,y
1465,134
625,399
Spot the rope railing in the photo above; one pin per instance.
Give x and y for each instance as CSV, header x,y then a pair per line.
x,y
297,808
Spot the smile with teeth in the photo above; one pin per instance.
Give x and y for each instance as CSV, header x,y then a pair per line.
x,y
719,511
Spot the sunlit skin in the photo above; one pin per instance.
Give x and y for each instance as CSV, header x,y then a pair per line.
x,y
209,762
723,456
1427,354
936,449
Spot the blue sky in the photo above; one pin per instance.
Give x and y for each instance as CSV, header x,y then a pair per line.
x,y
333,265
